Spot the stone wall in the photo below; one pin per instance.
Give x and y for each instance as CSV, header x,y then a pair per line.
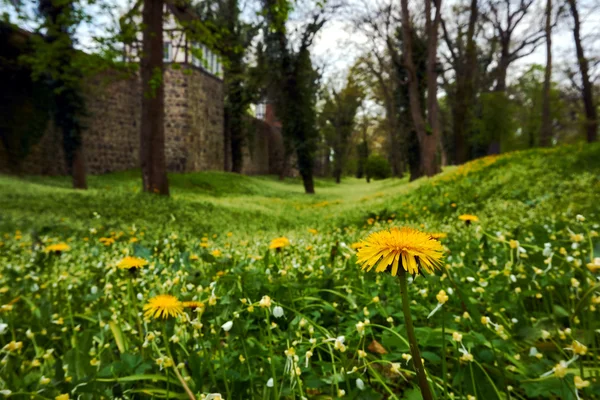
x,y
263,150
193,126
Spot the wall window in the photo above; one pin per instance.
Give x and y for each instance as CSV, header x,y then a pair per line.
x,y
261,110
167,51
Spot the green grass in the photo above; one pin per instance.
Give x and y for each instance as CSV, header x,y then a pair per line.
x,y
217,201
72,322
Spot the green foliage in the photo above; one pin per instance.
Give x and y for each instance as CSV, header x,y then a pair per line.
x,y
24,104
495,122
377,167
337,119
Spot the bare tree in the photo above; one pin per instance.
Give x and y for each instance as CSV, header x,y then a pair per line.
x,y
546,129
507,17
152,132
379,25
587,94
463,59
428,140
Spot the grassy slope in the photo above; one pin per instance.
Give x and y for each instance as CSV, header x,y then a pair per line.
x,y
506,189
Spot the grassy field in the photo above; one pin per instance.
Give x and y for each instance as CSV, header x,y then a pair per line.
x,y
302,320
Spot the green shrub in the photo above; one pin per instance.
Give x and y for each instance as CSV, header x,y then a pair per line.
x,y
378,167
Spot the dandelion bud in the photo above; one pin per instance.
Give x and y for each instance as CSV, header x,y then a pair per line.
x,y
278,312
361,385
227,326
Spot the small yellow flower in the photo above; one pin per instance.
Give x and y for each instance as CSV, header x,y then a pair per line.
x,y
579,348
594,266
13,346
438,235
62,397
577,237
216,253
132,262
291,352
468,218
164,306
560,369
313,231
442,297
193,305
57,248
513,244
107,241
265,302
406,247
279,243
580,383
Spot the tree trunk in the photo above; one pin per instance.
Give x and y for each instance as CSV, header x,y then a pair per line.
x,y
305,165
227,164
338,176
431,165
152,132
309,184
464,91
65,80
591,115
546,129
78,169
235,124
428,141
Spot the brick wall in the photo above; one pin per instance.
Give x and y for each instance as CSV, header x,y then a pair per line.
x,y
193,126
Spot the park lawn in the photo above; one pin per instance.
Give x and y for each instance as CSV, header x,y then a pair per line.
x,y
303,320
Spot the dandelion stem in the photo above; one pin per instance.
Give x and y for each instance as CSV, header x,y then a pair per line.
x,y
444,370
412,339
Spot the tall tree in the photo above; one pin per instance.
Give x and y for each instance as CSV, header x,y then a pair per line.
x,y
152,131
293,83
55,61
464,62
379,25
428,138
587,90
230,37
339,111
546,129
516,39
431,166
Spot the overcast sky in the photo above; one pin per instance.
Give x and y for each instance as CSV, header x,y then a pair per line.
x,y
338,44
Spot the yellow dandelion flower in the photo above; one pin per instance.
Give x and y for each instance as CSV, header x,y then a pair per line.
x,y
313,231
279,243
62,397
57,248
216,253
193,305
438,235
107,241
407,247
163,306
132,262
468,218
